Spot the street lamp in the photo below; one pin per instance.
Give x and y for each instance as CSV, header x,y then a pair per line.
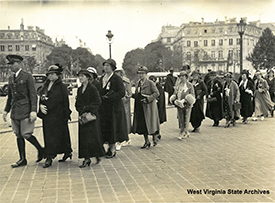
x,y
109,37
241,30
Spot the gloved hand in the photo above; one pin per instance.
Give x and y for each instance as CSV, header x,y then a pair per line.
x,y
172,98
33,116
43,108
5,116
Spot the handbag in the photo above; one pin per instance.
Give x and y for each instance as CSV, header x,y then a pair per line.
x,y
86,117
237,106
211,100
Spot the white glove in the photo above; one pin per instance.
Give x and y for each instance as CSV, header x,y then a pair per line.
x,y
172,98
249,91
43,108
33,116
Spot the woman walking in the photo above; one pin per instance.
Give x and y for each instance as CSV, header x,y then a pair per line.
x,y
271,83
246,87
112,114
231,95
55,112
89,138
214,108
146,118
197,114
184,98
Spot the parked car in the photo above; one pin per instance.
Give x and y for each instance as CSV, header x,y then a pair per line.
x,y
70,83
39,80
3,88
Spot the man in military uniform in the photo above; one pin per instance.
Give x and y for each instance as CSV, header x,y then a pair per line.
x,y
22,103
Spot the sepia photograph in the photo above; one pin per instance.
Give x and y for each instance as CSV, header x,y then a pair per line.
x,y
137,101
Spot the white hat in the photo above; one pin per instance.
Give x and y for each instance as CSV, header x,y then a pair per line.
x,y
92,70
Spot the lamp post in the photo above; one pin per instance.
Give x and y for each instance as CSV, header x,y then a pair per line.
x,y
241,30
109,37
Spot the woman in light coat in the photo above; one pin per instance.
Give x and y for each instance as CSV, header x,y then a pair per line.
x,y
146,118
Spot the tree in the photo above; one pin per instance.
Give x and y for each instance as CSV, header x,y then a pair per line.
x,y
263,55
29,63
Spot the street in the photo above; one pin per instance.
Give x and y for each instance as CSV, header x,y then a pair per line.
x,y
216,165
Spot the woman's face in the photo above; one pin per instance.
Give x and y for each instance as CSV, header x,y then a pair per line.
x,y
183,78
52,76
83,78
107,68
259,75
142,75
244,77
195,77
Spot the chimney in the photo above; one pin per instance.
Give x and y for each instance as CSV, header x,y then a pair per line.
x,y
22,25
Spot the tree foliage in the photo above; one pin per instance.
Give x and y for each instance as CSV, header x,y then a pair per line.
x,y
29,63
263,55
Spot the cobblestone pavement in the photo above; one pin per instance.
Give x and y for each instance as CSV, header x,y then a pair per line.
x,y
217,158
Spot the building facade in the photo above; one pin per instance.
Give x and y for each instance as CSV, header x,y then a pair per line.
x,y
213,45
26,42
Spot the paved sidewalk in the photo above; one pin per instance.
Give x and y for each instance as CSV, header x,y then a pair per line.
x,y
236,158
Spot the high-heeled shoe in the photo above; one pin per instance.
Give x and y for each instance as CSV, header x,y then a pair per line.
x,y
227,124
86,162
111,156
98,160
47,163
146,145
65,157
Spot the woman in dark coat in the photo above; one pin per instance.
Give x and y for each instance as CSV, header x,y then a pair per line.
x,y
214,109
88,100
271,83
246,87
55,112
112,113
197,114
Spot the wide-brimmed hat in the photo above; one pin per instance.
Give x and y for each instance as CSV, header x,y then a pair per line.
x,y
12,58
142,69
56,68
185,67
183,73
228,75
213,73
111,62
195,72
93,71
84,72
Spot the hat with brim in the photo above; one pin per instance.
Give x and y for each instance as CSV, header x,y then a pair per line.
x,y
93,71
195,73
183,73
111,62
213,73
84,72
54,69
12,58
228,75
142,69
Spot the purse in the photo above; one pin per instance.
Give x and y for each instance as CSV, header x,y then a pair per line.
x,y
211,100
86,117
237,106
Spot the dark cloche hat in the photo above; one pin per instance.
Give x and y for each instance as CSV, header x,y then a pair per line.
x,y
111,62
56,68
84,72
12,58
142,69
195,72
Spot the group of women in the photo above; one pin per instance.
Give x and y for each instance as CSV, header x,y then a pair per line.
x,y
104,111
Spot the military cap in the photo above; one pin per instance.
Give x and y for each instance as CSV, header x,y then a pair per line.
x,y
12,58
142,69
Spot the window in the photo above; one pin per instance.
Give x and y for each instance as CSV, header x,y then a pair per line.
x,y
2,48
169,40
17,47
213,30
221,30
212,54
9,36
220,42
205,43
247,41
205,31
188,43
9,47
238,41
196,54
196,43
220,54
205,55
230,29
212,42
27,47
188,55
230,41
34,47
230,53
238,53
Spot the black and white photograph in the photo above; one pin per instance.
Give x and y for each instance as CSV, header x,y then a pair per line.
x,y
137,101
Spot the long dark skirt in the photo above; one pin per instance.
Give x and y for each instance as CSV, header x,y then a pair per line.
x,y
197,114
90,141
227,110
141,123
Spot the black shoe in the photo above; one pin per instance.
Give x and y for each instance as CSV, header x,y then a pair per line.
x,y
98,160
19,163
108,153
36,144
159,136
65,157
47,163
86,162
40,155
146,145
227,124
195,130
111,156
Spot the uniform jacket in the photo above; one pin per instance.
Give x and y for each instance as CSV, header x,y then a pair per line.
x,y
22,97
150,109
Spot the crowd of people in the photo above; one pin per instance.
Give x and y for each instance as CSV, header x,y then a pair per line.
x,y
103,105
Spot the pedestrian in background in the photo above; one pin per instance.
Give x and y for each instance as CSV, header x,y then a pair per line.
x,y
89,137
127,105
246,87
146,117
54,110
22,103
169,84
231,96
183,98
271,83
94,77
214,108
197,114
263,103
160,103
112,114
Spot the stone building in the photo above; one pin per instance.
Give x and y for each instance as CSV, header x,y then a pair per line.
x,y
213,45
26,42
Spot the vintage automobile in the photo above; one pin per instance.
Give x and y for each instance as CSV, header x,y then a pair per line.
x,y
39,80
70,83
3,88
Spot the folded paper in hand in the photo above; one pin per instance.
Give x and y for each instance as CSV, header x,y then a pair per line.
x,y
86,117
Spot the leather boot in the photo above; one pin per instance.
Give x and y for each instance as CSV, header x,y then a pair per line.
x,y
40,150
22,153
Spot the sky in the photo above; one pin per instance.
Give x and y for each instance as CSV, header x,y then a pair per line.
x,y
133,23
